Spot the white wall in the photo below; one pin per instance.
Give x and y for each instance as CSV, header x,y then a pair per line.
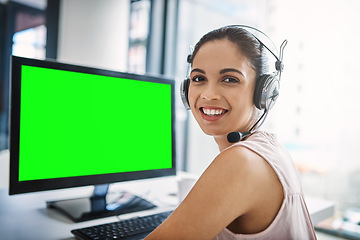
x,y
94,33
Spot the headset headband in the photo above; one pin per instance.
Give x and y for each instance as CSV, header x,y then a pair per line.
x,y
278,65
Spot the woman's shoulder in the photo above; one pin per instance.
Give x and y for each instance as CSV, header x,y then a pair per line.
x,y
237,156
247,165
241,164
245,153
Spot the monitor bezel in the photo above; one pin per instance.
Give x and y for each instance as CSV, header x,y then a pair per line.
x,y
19,187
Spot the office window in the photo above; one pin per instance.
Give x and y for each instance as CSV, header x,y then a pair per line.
x,y
138,35
30,42
29,31
316,115
24,35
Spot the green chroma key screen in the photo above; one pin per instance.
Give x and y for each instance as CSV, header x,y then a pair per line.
x,y
78,124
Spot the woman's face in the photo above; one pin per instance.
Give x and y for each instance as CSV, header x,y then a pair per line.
x,y
221,88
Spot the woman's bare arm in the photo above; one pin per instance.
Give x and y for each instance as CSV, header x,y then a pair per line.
x,y
230,187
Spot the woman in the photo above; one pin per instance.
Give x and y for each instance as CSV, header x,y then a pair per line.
x,y
251,190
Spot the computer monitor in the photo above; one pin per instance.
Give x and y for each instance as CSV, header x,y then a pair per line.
x,y
73,126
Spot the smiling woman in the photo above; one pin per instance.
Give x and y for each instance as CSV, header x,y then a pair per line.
x,y
214,86
251,190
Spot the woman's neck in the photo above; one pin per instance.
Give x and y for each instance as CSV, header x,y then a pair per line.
x,y
222,142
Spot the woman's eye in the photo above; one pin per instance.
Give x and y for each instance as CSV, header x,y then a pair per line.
x,y
198,79
231,80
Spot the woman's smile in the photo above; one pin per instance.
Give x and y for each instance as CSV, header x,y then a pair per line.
x,y
212,113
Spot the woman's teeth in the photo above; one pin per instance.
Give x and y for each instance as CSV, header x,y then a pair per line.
x,y
213,112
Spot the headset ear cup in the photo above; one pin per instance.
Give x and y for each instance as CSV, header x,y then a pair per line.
x,y
184,93
272,93
258,91
266,91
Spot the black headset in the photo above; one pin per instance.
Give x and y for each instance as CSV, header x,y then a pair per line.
x,y
266,86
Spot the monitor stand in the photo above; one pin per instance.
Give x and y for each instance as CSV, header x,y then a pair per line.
x,y
101,204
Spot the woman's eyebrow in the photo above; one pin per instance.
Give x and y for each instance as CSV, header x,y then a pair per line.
x,y
198,70
226,70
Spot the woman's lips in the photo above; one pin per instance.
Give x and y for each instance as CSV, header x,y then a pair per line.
x,y
212,114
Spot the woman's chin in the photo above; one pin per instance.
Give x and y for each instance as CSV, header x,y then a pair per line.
x,y
214,133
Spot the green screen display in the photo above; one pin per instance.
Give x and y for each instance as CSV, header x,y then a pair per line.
x,y
79,124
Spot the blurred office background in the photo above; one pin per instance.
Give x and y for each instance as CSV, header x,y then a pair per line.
x,y
316,116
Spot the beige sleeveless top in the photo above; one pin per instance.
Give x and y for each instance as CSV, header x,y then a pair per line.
x,y
293,220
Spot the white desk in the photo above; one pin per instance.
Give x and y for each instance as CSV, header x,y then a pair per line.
x,y
26,217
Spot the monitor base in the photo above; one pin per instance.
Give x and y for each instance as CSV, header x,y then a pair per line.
x,y
88,208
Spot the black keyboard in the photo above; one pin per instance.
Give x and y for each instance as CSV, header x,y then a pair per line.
x,y
133,228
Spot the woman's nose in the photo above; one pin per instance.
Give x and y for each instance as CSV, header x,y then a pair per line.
x,y
211,92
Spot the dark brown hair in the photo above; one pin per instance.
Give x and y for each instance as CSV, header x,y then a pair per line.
x,y
244,40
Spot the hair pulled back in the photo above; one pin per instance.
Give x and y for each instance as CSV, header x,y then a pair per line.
x,y
244,40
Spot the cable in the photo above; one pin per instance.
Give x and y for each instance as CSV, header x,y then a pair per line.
x,y
263,115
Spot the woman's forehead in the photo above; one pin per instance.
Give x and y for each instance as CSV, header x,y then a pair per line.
x,y
220,53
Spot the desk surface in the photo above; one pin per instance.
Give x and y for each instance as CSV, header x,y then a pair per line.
x,y
26,216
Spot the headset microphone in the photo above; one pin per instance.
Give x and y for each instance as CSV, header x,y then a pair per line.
x,y
234,137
